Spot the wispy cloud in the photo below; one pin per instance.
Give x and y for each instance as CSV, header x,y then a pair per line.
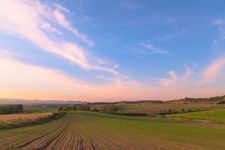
x,y
17,81
215,43
219,21
34,18
169,82
220,24
129,5
51,28
22,80
187,84
59,16
190,83
175,80
179,33
153,49
214,69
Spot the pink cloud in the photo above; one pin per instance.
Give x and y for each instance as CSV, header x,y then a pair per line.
x,y
175,80
59,16
169,82
51,28
33,16
214,69
21,80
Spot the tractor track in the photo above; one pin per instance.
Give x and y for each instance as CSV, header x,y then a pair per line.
x,y
68,133
80,131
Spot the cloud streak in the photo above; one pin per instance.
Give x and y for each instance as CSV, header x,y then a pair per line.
x,y
34,18
47,26
152,48
214,69
128,5
175,80
220,24
21,80
59,16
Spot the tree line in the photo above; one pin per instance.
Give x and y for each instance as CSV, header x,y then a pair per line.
x,y
10,109
86,107
76,107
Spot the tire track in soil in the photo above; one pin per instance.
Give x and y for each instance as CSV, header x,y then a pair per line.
x,y
101,142
72,132
71,135
35,139
18,136
43,141
59,136
24,139
54,143
67,141
30,135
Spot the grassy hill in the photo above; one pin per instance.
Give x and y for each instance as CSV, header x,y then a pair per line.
x,y
151,108
217,115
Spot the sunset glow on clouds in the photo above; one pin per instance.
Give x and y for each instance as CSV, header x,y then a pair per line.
x,y
79,51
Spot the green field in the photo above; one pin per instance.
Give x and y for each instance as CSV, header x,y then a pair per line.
x,y
39,108
166,107
88,130
211,115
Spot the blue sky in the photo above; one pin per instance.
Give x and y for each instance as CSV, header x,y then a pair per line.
x,y
112,50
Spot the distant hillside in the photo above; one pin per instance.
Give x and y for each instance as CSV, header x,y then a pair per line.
x,y
216,99
37,102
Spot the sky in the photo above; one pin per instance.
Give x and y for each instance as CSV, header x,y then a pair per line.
x,y
98,50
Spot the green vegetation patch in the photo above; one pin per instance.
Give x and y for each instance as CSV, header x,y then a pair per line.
x,y
212,115
40,108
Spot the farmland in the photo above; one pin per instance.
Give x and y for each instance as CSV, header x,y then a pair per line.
x,y
217,115
20,120
16,117
90,130
161,108
152,108
144,108
40,108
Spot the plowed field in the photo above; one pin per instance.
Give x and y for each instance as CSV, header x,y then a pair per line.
x,y
95,131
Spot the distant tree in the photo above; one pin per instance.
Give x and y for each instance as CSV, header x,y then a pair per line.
x,y
76,107
221,102
10,109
